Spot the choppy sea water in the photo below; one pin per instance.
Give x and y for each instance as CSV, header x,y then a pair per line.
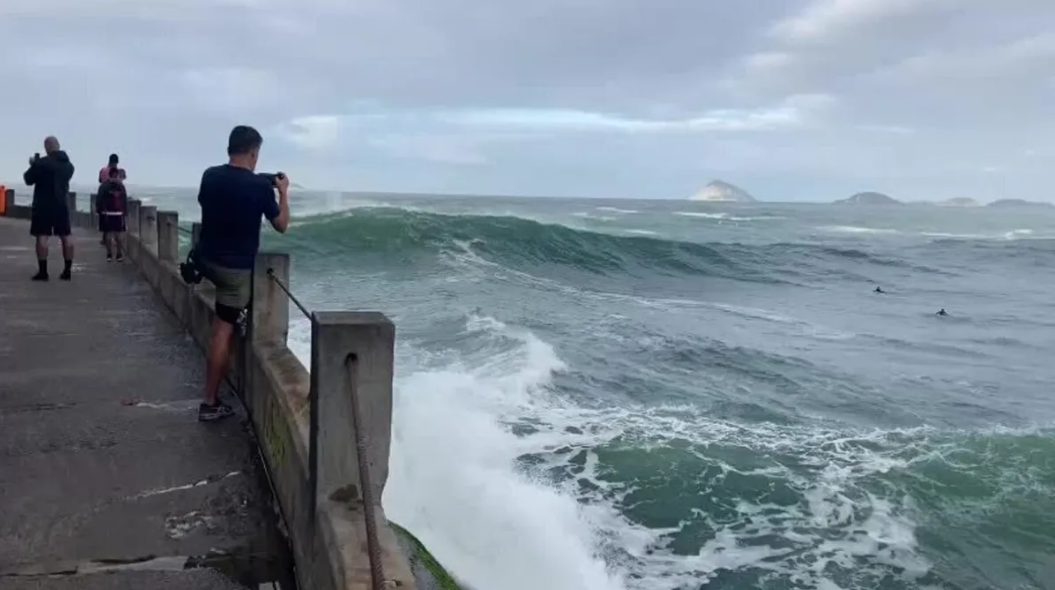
x,y
610,395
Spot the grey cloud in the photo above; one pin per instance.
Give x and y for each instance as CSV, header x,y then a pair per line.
x,y
918,93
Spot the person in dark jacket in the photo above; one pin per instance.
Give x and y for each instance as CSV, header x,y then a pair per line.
x,y
111,203
50,178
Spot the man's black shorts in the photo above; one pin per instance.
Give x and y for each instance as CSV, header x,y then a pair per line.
x,y
49,222
111,224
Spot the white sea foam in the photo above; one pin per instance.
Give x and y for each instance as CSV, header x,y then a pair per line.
x,y
838,522
853,229
702,214
588,215
955,236
724,216
1014,234
453,479
617,210
1018,233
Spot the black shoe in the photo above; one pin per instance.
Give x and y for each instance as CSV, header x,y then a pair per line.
x,y
40,276
120,257
207,413
109,258
66,275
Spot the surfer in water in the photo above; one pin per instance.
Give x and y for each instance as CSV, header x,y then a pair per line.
x,y
879,290
941,312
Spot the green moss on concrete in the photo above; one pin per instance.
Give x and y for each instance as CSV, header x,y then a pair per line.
x,y
441,580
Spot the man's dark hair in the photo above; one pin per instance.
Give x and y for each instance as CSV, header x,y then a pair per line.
x,y
113,159
243,140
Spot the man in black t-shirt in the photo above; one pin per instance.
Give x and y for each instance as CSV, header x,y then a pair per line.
x,y
233,198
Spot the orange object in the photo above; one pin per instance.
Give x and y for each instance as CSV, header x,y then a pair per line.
x,y
3,200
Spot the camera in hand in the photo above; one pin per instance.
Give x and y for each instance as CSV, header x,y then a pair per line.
x,y
271,177
190,270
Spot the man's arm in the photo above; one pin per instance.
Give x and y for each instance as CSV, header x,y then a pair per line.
x,y
31,174
277,213
203,188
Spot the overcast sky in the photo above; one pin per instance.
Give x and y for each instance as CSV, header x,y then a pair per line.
x,y
790,99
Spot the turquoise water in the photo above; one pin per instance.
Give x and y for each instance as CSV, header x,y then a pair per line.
x,y
602,395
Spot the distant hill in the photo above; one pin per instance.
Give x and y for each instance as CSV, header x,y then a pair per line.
x,y
959,202
869,198
1018,203
722,192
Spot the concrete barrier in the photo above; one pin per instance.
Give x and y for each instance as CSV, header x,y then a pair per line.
x,y
133,217
168,236
148,227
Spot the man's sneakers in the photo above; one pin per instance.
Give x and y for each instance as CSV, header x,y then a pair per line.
x,y
217,411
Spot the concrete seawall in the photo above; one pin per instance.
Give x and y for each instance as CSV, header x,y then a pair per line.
x,y
325,436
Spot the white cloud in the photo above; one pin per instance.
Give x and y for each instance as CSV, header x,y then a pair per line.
x,y
442,149
313,132
1030,56
830,20
792,112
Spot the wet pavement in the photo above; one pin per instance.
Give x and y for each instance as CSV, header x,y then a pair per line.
x,y
107,480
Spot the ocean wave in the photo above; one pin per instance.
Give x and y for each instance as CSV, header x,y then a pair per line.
x,y
516,242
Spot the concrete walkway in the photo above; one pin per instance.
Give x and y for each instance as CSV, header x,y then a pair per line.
x,y
107,480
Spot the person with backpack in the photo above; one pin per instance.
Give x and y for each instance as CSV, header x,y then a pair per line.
x,y
111,204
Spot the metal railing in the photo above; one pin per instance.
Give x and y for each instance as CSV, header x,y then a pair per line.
x,y
179,227
285,289
373,544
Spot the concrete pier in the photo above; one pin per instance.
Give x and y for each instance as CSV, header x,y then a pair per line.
x,y
103,467
103,464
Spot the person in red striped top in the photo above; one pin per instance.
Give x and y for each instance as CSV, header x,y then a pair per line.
x,y
104,172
